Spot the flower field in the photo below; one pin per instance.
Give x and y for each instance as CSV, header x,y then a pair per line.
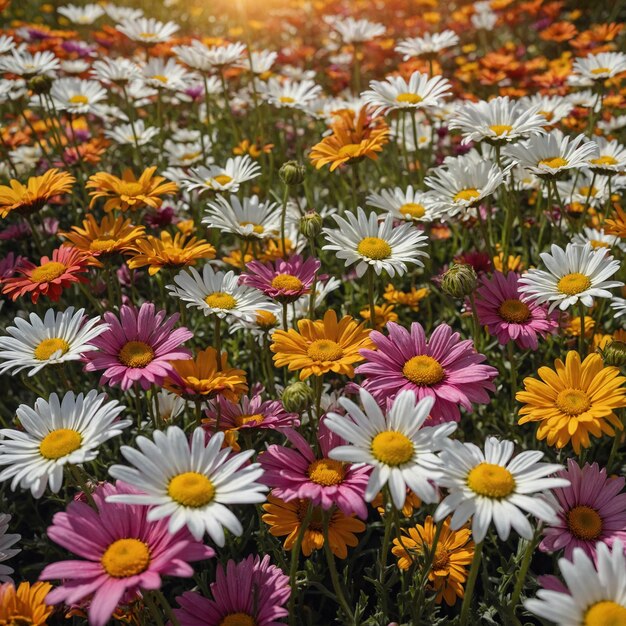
x,y
313,313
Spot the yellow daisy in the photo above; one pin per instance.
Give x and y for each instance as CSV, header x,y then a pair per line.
x,y
573,402
24,605
321,346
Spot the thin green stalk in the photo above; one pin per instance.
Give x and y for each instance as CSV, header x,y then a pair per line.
x,y
166,607
523,571
371,296
148,597
283,220
471,583
295,557
430,556
81,480
581,339
217,340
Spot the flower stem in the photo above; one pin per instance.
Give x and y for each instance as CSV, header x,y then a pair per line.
x,y
430,556
371,296
152,607
283,219
523,571
471,582
295,557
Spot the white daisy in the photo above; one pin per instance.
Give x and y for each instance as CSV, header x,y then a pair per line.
x,y
381,246
427,45
190,482
585,189
611,157
497,121
413,139
464,182
395,93
288,93
397,445
217,293
493,487
619,306
599,67
147,30
169,405
7,43
228,178
484,19
84,15
58,338
553,108
355,31
407,204
549,155
136,133
250,219
597,238
184,154
6,551
259,63
55,433
161,74
195,55
119,13
23,63
77,96
595,595
576,274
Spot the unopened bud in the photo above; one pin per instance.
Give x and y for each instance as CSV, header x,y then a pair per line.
x,y
297,397
614,354
40,84
292,173
311,224
459,281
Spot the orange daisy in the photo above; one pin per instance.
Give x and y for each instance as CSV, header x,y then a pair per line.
x,y
24,605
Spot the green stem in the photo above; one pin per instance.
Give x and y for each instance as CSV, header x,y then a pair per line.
x,y
283,219
371,296
523,571
471,582
166,607
148,597
295,557
217,339
78,474
430,556
581,339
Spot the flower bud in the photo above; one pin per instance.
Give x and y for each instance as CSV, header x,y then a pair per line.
x,y
614,354
297,397
459,281
311,224
292,173
40,84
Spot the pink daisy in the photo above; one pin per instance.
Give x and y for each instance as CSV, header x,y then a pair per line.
x,y
250,412
253,590
284,280
122,553
137,348
443,367
302,474
500,308
591,510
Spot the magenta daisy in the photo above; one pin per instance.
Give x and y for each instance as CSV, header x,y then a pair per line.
x,y
300,473
443,367
284,280
252,591
500,308
137,348
121,553
250,412
591,510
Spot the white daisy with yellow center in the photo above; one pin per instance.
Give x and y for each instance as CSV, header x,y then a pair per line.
x,y
596,594
191,482
56,433
397,445
216,178
599,67
57,338
576,274
218,293
369,243
407,204
77,96
494,487
289,93
146,30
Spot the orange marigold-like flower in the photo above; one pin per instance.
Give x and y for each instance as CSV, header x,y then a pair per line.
x,y
130,192
24,605
30,198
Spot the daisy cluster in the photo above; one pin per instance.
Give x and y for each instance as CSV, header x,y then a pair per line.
x,y
312,313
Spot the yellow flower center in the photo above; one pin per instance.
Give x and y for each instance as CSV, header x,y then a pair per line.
x,y
574,283
467,195
350,150
59,443
324,350
100,244
326,472
606,613
47,272
188,156
584,523
514,311
554,162
412,209
222,179
374,248
501,129
130,189
221,300
136,354
547,114
491,480
257,418
392,448
601,70
423,370
596,243
588,191
125,558
265,319
160,78
409,98
79,99
287,282
441,560
238,619
191,489
257,228
605,160
573,401
287,99
147,35
49,346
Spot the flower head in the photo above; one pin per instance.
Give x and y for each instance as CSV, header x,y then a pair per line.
x,y
26,604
